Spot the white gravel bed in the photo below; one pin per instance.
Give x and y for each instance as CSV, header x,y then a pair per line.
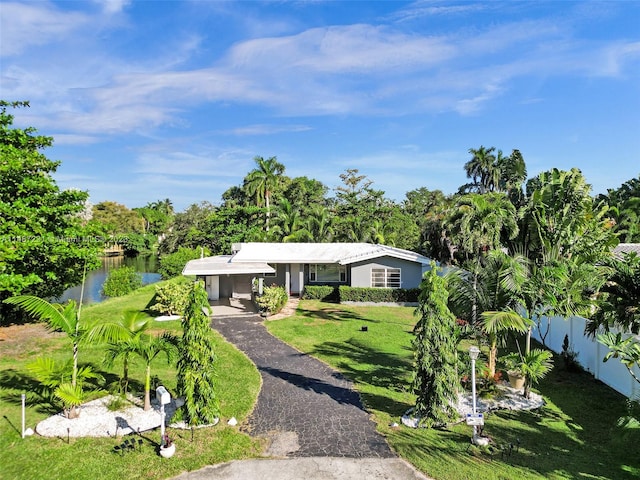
x,y
96,420
509,399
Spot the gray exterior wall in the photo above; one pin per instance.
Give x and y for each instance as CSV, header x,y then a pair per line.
x,y
279,278
410,272
226,286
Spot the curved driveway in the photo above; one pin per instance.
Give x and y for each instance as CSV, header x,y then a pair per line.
x,y
304,406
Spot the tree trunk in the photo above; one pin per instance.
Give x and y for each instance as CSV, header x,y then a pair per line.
x,y
493,354
147,389
125,375
74,373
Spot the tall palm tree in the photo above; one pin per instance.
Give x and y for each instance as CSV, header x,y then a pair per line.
x,y
262,181
478,224
513,174
482,168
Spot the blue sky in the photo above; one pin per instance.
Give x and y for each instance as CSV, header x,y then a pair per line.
x,y
150,100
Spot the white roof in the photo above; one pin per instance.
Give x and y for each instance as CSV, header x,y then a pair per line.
x,y
623,248
342,253
221,265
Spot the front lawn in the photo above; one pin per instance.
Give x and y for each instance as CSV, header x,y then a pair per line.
x,y
43,458
572,436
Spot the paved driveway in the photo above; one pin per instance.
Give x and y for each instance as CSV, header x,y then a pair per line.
x,y
305,407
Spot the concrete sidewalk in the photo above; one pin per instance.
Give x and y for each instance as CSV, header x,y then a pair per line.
x,y
309,468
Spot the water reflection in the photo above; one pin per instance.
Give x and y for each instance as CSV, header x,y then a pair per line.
x,y
145,265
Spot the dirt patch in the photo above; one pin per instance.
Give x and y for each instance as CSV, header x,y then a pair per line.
x,y
17,340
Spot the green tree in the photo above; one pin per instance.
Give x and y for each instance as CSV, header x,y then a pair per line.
x,y
44,243
435,381
171,265
117,219
618,301
262,181
234,224
196,361
190,229
157,216
560,214
121,281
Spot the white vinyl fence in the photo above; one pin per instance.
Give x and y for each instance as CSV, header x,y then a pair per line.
x,y
590,353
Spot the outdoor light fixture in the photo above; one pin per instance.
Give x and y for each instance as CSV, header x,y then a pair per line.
x,y
473,353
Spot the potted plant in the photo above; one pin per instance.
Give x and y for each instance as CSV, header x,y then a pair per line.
x,y
512,363
167,448
533,366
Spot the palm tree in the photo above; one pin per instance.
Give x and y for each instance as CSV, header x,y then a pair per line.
x,y
478,224
148,348
262,181
513,174
618,301
482,169
320,224
122,335
59,317
496,295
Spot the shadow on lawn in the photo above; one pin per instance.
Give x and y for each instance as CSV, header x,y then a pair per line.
x,y
14,383
386,370
327,312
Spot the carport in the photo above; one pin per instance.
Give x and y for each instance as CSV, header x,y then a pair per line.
x,y
224,279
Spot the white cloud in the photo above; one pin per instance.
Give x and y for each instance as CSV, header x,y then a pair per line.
x,y
265,129
179,164
111,7
23,25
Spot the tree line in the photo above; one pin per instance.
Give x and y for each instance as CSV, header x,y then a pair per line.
x,y
49,235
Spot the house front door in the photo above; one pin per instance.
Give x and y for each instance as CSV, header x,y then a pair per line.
x,y
212,285
294,279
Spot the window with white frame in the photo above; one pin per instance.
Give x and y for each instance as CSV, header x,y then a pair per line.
x,y
386,278
325,273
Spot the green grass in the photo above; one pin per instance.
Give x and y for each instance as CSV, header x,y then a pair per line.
x,y
43,458
572,436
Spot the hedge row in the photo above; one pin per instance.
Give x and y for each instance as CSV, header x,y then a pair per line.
x,y
360,294
325,293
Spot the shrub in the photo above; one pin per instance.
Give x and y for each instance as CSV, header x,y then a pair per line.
x,y
121,281
273,299
171,298
171,265
378,295
325,293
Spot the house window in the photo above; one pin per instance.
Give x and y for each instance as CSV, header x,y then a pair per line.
x,y
385,277
325,273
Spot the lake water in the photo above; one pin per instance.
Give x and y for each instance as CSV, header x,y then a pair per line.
x,y
145,265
